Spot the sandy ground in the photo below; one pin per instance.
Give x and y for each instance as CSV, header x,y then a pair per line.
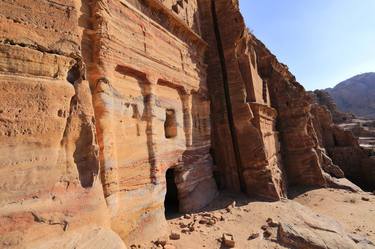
x,y
356,212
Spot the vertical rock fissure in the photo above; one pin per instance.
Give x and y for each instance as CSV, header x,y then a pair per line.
x,y
227,95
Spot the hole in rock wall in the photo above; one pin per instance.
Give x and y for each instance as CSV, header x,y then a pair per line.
x,y
85,156
171,203
170,125
264,91
74,74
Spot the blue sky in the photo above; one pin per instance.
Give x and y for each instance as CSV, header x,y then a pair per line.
x,y
323,42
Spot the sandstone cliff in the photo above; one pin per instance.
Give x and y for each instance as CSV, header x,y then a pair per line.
x,y
106,103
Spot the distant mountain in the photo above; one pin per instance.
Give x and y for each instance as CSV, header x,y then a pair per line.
x,y
356,95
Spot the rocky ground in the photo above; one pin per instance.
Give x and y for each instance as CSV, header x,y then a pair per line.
x,y
309,220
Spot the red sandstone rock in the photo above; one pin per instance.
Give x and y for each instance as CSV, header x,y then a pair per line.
x,y
242,111
101,99
323,98
343,150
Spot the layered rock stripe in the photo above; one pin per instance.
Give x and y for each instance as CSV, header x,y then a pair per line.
x,y
100,98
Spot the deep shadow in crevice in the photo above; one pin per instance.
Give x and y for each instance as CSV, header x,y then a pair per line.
x,y
171,203
227,96
86,155
74,74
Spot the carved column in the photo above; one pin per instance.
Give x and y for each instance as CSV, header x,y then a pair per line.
x,y
103,104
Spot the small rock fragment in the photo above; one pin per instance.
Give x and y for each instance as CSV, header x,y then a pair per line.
x,y
182,225
267,234
161,242
134,246
228,240
174,236
231,206
253,236
203,221
271,223
264,227
169,246
211,222
187,216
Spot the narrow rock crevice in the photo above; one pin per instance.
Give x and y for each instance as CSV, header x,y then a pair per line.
x,y
85,154
37,47
227,95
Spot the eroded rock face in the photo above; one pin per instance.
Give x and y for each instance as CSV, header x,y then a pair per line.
x,y
343,149
243,119
152,109
323,98
99,99
49,154
249,97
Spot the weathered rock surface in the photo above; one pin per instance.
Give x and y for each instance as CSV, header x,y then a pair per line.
x,y
311,231
103,104
152,111
248,89
346,207
86,238
76,94
343,150
48,154
363,129
243,119
323,98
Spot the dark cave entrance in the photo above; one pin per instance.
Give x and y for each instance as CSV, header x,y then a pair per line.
x,y
171,203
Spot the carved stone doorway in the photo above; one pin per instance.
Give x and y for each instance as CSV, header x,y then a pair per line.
x,y
171,203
